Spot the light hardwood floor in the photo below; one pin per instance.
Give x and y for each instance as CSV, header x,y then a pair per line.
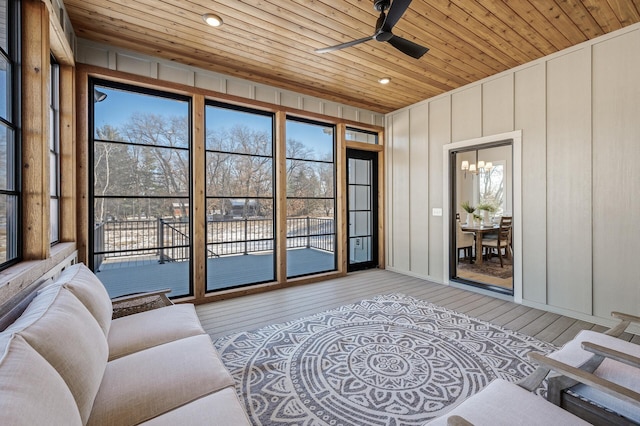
x,y
254,311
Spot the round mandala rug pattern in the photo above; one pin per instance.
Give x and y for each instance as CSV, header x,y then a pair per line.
x,y
391,360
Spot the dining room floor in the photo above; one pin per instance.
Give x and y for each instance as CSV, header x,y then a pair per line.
x,y
489,272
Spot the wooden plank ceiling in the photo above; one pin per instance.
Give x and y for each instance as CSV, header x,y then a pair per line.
x,y
273,41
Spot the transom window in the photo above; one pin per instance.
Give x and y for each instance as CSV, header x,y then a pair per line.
x,y
357,135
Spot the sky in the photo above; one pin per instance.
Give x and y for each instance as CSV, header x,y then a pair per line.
x,y
119,105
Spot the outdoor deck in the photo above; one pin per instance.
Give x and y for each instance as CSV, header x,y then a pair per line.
x,y
125,276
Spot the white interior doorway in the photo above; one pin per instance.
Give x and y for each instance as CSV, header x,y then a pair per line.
x,y
448,215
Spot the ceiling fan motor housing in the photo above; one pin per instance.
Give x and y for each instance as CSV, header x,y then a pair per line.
x,y
381,5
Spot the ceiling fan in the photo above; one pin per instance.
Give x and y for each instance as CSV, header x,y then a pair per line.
x,y
384,25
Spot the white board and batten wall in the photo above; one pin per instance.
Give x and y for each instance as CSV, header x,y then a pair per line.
x,y
579,115
113,58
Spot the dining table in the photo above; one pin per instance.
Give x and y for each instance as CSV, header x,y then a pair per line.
x,y
480,231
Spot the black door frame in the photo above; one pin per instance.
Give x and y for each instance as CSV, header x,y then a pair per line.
x,y
453,250
373,157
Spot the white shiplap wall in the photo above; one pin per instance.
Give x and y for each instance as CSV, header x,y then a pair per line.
x,y
579,113
101,55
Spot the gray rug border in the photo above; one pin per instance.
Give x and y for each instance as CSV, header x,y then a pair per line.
x,y
398,295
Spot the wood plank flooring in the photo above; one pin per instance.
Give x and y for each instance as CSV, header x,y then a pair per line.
x,y
254,311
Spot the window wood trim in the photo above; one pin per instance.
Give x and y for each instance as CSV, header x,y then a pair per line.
x,y
38,256
35,131
199,96
199,237
59,44
67,155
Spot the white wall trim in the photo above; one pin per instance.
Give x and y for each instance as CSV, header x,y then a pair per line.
x,y
516,137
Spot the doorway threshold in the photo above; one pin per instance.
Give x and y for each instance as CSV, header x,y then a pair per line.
x,y
484,289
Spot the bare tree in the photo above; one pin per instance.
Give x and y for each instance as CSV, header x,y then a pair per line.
x,y
109,159
492,187
240,165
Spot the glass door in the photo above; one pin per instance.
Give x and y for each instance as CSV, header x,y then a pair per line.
x,y
362,202
482,251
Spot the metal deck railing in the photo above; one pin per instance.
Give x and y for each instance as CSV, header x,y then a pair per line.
x,y
168,239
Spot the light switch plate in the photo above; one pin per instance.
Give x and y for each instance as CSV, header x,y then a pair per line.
x,y
437,211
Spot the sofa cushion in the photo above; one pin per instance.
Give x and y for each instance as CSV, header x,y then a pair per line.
x,y
144,330
504,403
625,375
220,408
151,382
31,390
90,291
59,327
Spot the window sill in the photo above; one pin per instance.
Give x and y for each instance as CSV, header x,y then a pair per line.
x,y
20,276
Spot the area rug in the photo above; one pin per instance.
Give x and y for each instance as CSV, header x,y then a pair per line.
x,y
489,267
389,360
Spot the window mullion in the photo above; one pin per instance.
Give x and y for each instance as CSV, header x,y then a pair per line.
x,y
199,240
281,197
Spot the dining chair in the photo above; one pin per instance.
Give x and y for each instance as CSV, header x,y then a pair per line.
x,y
464,241
502,242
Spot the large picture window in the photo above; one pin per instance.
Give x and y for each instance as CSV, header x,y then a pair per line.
x,y
311,212
240,197
140,148
9,131
209,200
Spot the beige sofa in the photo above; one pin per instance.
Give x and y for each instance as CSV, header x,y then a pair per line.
x,y
64,361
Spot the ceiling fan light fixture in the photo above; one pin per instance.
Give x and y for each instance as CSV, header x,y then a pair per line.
x,y
384,80
212,19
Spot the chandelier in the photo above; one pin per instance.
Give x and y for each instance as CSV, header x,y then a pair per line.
x,y
471,168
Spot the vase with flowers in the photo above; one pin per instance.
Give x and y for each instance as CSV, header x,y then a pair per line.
x,y
486,209
469,209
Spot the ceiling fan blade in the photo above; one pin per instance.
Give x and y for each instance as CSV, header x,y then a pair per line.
x,y
343,45
397,9
408,47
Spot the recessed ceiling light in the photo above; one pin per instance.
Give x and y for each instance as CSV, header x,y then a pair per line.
x,y
212,19
384,80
